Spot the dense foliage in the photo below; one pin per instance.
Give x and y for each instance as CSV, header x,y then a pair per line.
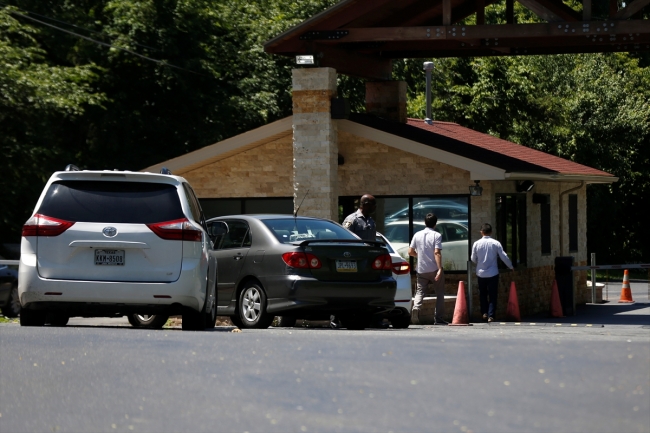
x,y
123,84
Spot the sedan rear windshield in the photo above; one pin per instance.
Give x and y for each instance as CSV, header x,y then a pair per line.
x,y
112,202
291,230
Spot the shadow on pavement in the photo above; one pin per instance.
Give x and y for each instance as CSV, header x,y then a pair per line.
x,y
610,313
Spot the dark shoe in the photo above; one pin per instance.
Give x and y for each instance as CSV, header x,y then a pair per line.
x,y
490,319
415,317
485,317
441,322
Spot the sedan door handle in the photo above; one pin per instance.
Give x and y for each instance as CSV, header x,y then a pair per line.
x,y
237,257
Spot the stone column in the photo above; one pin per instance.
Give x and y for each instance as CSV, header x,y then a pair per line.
x,y
315,143
387,99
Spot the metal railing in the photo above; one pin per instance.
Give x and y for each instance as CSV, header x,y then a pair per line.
x,y
593,267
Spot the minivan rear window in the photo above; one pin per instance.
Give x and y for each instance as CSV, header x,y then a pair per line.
x,y
112,202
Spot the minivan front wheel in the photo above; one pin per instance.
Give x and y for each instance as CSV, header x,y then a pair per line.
x,y
252,307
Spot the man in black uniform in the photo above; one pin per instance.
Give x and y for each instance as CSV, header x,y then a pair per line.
x,y
361,224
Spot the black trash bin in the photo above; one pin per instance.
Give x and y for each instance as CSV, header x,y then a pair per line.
x,y
564,278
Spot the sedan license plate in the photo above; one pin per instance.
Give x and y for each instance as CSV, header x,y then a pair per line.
x,y
346,266
109,257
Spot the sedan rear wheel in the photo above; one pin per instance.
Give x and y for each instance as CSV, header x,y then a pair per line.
x,y
147,321
32,317
252,307
401,322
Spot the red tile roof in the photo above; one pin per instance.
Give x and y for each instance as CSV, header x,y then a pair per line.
x,y
506,148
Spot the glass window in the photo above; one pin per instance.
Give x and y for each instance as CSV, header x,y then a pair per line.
x,y
214,207
268,205
220,207
237,234
398,218
112,202
292,230
511,226
195,208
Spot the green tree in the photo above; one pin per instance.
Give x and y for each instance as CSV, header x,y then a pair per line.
x,y
40,106
593,109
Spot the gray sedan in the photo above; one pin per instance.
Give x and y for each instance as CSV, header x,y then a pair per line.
x,y
307,268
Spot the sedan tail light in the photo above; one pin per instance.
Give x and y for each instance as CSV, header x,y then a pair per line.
x,y
176,230
41,225
301,260
401,268
382,262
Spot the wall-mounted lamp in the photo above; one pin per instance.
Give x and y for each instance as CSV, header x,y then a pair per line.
x,y
476,190
305,60
525,186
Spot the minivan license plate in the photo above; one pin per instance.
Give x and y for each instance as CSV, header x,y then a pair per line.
x,y
346,266
109,257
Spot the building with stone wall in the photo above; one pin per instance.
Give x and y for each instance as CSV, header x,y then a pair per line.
x,y
322,163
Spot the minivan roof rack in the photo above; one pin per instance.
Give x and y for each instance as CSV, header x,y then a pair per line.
x,y
71,167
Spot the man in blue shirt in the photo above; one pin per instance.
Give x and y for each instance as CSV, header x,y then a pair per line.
x,y
484,254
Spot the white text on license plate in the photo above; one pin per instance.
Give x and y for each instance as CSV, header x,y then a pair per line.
x,y
109,257
346,266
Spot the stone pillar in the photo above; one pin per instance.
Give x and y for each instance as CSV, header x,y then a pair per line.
x,y
387,99
315,143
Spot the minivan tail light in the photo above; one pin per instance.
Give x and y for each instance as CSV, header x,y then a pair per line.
x,y
176,230
382,262
41,225
301,260
401,268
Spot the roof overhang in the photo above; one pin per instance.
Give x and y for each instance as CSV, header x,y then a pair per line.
x,y
561,177
226,148
284,127
477,170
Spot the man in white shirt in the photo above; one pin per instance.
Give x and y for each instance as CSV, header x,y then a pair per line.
x,y
484,254
426,245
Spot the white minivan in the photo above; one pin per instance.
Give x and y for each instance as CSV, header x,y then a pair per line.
x,y
116,243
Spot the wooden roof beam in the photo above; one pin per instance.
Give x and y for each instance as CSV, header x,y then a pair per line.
x,y
355,63
551,11
460,33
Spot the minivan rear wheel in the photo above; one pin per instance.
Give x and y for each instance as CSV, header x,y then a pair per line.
x,y
154,321
32,317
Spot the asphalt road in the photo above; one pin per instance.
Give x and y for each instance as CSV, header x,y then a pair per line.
x,y
481,379
578,375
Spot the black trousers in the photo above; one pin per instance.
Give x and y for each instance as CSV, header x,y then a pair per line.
x,y
488,288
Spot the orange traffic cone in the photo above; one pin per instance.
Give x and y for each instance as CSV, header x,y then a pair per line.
x,y
626,292
512,313
461,316
556,305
